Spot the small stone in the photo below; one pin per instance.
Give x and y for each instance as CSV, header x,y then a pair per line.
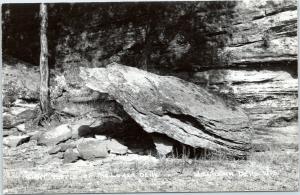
x,y
54,150
92,148
74,129
8,120
65,146
20,103
59,155
163,145
55,136
101,137
71,155
189,161
115,147
17,110
140,151
8,132
14,141
21,128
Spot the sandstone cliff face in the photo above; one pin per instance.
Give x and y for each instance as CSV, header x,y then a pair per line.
x,y
264,48
264,31
239,33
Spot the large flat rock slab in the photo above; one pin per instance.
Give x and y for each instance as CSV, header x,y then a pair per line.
x,y
168,105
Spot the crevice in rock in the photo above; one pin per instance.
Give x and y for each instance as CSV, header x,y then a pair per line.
x,y
30,100
284,9
283,120
137,110
257,17
186,119
245,43
256,82
289,66
195,123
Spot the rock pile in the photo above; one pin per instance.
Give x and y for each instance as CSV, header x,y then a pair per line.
x,y
60,139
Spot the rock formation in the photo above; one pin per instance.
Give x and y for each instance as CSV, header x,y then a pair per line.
x,y
249,53
244,50
181,110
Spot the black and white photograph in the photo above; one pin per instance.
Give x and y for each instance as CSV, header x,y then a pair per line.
x,y
150,96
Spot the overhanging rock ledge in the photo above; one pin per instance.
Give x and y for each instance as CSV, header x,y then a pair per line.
x,y
176,108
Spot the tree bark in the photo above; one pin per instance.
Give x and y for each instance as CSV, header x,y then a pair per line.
x,y
145,58
44,69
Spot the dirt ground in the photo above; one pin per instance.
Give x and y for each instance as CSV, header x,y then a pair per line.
x,y
30,169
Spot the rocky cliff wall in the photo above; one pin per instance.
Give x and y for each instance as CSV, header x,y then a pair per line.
x,y
264,31
193,36
262,72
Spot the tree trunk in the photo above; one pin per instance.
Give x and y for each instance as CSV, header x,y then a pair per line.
x,y
144,62
44,69
145,57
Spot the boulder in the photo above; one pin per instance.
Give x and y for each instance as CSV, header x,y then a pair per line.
x,y
74,129
59,155
176,108
71,155
17,110
14,141
5,109
116,147
21,128
24,104
27,114
90,149
162,145
10,120
12,131
65,146
56,135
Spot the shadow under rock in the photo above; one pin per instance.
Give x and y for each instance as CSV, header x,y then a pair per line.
x,y
126,132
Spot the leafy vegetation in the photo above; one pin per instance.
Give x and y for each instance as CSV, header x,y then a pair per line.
x,y
156,35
